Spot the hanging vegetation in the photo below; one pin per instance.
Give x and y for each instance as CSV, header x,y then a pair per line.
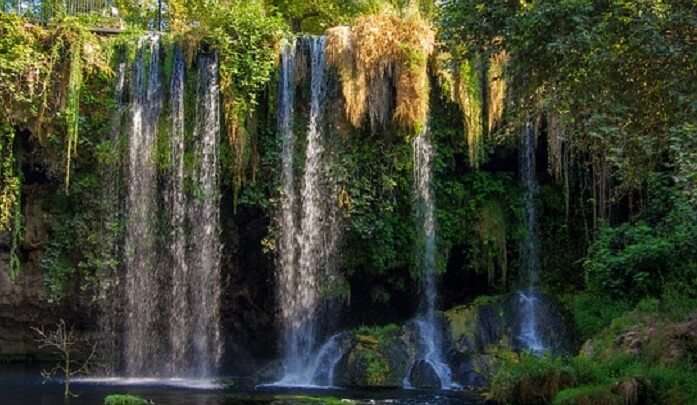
x,y
9,180
246,40
493,255
42,72
72,109
477,85
382,62
468,94
496,90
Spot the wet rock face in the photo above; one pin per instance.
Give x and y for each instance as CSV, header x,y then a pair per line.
x,y
28,285
492,324
423,376
21,300
496,321
554,330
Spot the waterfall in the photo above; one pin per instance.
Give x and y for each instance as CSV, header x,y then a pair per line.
x,y
530,257
180,317
288,274
429,330
143,347
204,220
303,335
172,280
305,222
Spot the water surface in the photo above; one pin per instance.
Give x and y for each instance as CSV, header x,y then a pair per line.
x,y
22,386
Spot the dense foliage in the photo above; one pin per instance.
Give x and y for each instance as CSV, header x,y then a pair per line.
x,y
615,74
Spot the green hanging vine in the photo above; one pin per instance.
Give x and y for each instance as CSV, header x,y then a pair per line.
x,y
10,186
9,180
72,109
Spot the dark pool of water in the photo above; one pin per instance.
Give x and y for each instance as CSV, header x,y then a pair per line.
x,y
22,386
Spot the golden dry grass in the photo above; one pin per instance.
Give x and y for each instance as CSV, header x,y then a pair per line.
x,y
468,93
462,82
497,89
380,55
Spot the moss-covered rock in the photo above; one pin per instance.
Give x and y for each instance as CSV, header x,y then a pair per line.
x,y
119,399
487,330
648,337
495,320
378,356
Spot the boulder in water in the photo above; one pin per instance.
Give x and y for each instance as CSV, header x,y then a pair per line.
x,y
423,376
378,357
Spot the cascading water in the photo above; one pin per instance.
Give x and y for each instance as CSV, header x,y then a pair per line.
x,y
143,347
528,336
180,316
204,220
431,340
305,248
303,336
172,294
287,276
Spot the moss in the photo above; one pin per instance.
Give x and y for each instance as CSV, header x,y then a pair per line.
x,y
376,335
120,399
377,368
377,359
462,321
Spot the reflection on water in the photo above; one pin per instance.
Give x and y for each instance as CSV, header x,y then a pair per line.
x,y
21,386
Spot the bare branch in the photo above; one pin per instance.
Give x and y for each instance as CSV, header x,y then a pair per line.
x,y
62,340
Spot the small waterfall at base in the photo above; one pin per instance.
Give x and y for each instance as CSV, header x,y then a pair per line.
x,y
530,257
305,248
172,281
431,339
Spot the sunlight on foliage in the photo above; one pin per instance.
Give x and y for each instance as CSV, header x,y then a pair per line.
x,y
378,53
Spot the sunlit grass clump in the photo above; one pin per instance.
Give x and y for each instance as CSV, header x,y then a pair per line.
x,y
382,63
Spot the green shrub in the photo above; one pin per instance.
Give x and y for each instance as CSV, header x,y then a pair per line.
x,y
628,259
594,312
528,379
588,394
647,258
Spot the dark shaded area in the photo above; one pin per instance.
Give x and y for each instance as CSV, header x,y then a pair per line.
x,y
248,307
